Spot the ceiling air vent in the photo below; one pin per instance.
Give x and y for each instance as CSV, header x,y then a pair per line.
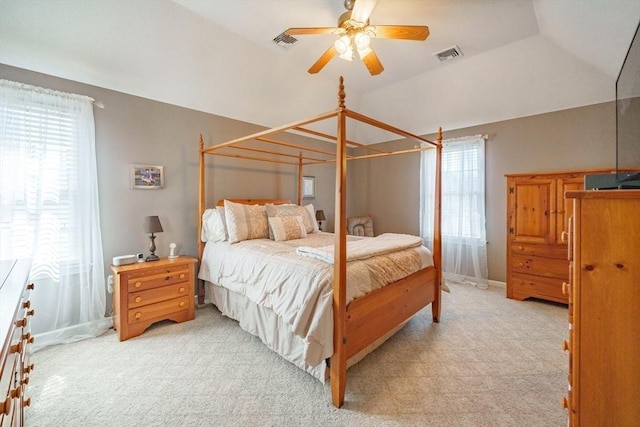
x,y
284,41
449,54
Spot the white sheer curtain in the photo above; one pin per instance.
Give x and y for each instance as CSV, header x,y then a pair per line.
x,y
464,246
49,208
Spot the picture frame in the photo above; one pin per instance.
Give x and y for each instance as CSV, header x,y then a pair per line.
x,y
147,177
308,187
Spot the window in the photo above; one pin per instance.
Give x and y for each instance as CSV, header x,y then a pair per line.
x,y
463,213
49,208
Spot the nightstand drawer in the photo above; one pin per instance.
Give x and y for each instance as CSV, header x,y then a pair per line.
x,y
136,284
163,293
158,310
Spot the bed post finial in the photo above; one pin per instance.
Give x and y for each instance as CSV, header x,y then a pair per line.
x,y
341,93
201,142
440,135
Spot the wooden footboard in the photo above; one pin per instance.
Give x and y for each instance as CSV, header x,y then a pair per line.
x,y
375,314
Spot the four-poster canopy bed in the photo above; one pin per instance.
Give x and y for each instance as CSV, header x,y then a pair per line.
x,y
360,321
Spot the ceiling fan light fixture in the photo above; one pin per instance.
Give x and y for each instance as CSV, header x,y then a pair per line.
x,y
364,52
348,54
342,45
362,40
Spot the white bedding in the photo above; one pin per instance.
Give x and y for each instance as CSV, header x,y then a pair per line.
x,y
298,288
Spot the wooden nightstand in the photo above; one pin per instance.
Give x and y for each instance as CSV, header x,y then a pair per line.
x,y
148,292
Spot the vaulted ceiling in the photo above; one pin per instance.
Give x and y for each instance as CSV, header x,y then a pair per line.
x,y
521,57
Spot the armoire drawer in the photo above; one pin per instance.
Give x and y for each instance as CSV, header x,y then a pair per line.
x,y
541,266
527,285
547,251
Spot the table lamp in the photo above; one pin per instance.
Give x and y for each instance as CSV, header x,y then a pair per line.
x,y
152,225
320,217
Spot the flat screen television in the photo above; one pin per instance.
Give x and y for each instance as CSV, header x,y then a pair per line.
x,y
627,126
628,116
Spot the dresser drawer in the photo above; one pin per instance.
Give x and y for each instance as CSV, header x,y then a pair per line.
x,y
158,310
165,278
163,293
541,266
526,285
547,251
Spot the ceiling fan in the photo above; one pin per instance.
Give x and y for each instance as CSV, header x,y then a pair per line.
x,y
356,34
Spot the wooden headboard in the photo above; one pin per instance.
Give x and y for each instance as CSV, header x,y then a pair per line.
x,y
255,201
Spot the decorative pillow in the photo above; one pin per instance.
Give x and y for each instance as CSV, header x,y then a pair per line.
x,y
245,222
213,227
221,225
305,212
287,228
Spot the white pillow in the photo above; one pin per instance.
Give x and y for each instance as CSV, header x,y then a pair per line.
x,y
213,227
245,222
287,228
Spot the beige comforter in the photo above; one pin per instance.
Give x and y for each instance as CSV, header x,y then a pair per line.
x,y
298,288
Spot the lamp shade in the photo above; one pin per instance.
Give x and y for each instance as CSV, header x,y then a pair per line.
x,y
152,225
320,215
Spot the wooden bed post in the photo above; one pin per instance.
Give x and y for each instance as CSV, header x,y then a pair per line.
x,y
300,180
339,358
437,232
201,207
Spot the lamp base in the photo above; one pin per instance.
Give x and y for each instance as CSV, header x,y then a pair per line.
x,y
152,257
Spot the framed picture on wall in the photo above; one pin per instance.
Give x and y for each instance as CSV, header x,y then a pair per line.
x,y
147,177
308,187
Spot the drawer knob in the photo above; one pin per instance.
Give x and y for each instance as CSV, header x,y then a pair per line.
x,y
182,303
21,323
521,248
138,298
26,304
16,348
181,290
138,315
26,402
31,286
565,288
29,368
31,312
5,406
138,284
28,338
565,403
24,381
563,236
565,345
182,276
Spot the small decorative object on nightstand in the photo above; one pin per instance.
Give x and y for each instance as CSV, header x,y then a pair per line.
x,y
172,251
152,225
320,217
146,293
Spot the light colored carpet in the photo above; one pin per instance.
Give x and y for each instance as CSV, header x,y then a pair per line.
x,y
489,362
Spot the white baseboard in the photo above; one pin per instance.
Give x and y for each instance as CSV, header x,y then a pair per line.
x,y
497,284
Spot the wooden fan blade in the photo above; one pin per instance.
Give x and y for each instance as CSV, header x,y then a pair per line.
x,y
306,31
373,63
323,60
362,10
405,32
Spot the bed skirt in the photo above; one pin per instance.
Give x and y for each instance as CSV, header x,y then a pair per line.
x,y
274,332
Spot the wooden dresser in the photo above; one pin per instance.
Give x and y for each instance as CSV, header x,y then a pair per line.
x,y
604,309
15,310
148,292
